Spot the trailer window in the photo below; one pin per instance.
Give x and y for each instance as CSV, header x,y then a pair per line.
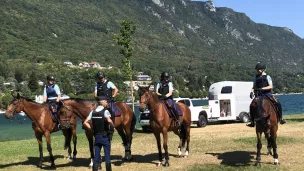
x,y
226,90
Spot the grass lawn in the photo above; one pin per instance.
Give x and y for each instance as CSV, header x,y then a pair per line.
x,y
216,147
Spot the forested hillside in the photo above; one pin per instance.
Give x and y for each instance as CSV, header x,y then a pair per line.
x,y
194,41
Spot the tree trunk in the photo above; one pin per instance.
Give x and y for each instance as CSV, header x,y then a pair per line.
x,y
132,97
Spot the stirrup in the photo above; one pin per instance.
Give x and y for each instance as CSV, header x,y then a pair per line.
x,y
177,123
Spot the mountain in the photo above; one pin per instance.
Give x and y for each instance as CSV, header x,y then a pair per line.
x,y
180,36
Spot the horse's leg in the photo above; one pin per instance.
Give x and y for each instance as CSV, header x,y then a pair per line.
x,y
129,141
269,142
259,146
165,145
49,148
89,136
274,144
39,139
188,140
67,143
160,155
179,148
74,141
123,136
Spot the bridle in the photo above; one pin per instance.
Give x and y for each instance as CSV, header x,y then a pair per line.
x,y
147,101
15,107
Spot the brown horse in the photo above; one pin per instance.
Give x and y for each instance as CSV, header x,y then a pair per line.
x,y
124,124
267,122
42,124
161,122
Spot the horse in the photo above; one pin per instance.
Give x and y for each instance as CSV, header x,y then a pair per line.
x,y
267,122
124,124
160,122
42,124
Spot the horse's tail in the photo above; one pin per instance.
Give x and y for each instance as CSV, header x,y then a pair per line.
x,y
133,123
183,133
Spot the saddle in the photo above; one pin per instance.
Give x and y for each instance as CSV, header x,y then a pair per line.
x,y
116,111
169,109
53,108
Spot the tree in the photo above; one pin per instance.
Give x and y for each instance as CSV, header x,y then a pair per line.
x,y
33,81
124,39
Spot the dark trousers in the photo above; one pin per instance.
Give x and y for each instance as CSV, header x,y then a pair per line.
x,y
172,105
102,141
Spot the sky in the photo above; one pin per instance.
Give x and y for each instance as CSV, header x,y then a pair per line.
x,y
282,13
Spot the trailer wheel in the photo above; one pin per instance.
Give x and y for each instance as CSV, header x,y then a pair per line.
x,y
202,121
244,117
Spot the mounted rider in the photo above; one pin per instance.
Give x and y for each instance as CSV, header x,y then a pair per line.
x,y
164,90
262,85
106,88
51,95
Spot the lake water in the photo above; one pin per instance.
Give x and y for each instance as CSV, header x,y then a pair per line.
x,y
12,130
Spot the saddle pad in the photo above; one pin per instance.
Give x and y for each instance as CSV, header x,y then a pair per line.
x,y
178,109
116,110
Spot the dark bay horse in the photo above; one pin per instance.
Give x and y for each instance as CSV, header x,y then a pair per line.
x,y
266,122
161,122
124,124
42,124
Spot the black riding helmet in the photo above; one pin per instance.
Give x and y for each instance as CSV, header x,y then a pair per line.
x,y
50,77
100,74
164,75
260,66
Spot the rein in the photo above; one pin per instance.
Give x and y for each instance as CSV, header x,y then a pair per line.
x,y
18,120
146,103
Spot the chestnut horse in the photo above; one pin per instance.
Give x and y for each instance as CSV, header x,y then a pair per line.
x,y
43,124
267,122
124,124
160,122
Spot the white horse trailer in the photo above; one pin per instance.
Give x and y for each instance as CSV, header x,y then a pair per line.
x,y
229,100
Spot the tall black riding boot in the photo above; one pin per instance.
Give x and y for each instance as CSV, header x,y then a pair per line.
x,y
279,107
108,167
251,117
177,122
95,167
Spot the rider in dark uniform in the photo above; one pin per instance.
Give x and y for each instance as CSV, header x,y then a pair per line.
x,y
101,125
51,95
262,85
164,90
106,88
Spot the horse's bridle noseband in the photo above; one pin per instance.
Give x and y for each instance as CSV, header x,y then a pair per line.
x,y
15,107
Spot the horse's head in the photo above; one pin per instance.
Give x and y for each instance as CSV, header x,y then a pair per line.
x,y
14,107
144,97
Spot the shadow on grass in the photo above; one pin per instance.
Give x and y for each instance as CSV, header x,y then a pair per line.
x,y
235,158
294,120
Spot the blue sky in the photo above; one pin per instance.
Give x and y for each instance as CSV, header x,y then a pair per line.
x,y
282,13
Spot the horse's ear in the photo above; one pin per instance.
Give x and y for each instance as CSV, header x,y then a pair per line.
x,y
138,86
18,95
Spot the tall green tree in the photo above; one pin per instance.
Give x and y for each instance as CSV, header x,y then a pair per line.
x,y
33,81
124,40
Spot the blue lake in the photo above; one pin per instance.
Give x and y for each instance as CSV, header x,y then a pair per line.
x,y
12,130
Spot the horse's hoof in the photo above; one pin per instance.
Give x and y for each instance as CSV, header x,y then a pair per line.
x,y
257,164
39,166
166,164
158,164
185,156
276,163
53,166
